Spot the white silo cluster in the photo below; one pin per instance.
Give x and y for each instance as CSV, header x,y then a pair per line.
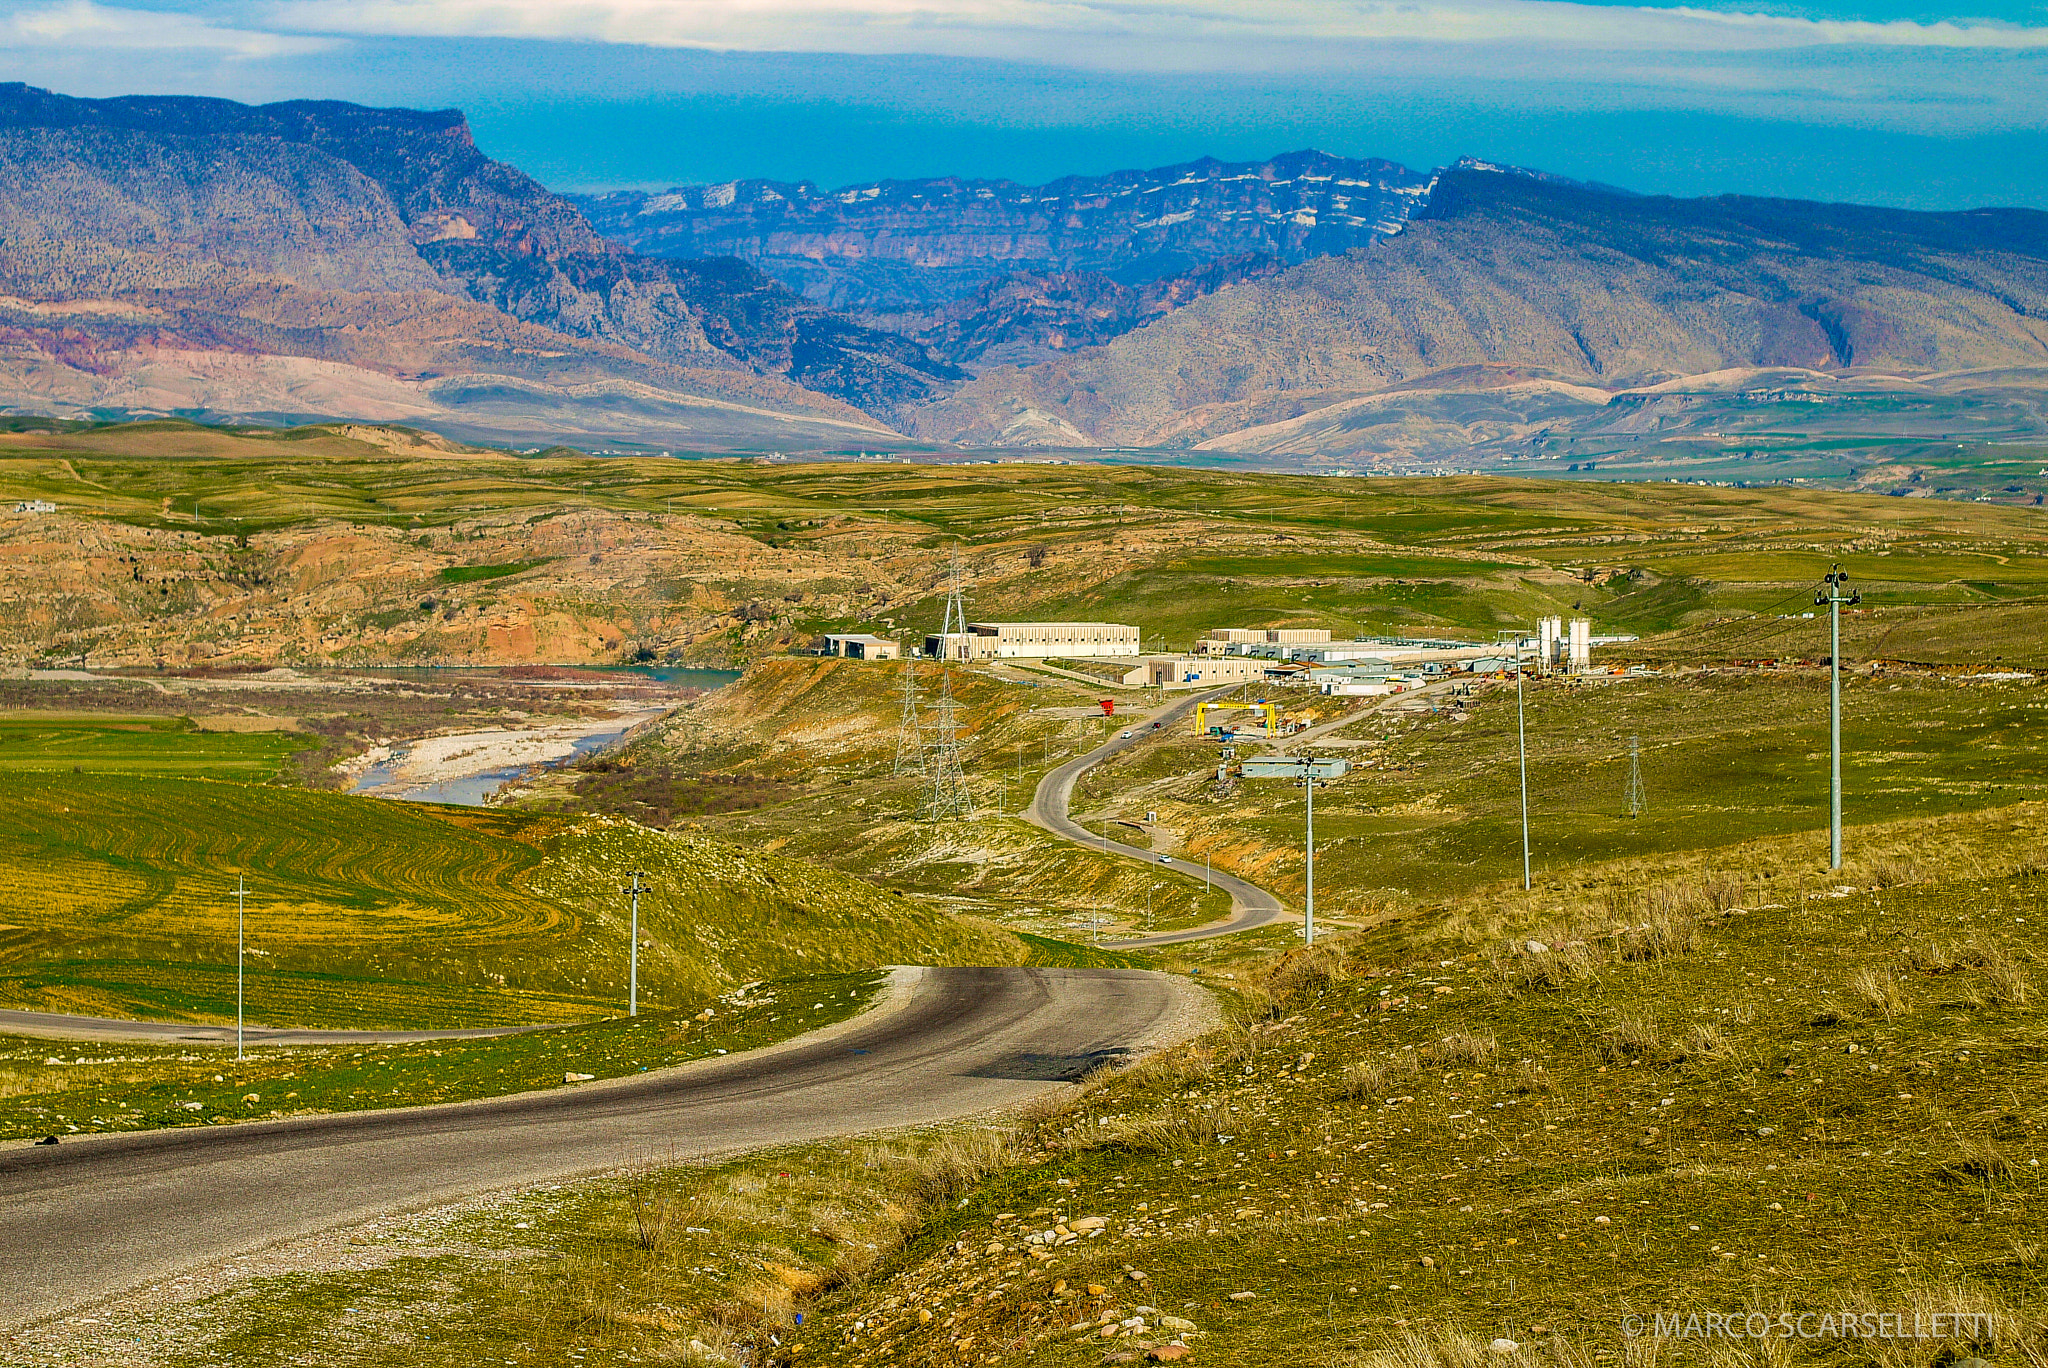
x,y
1556,648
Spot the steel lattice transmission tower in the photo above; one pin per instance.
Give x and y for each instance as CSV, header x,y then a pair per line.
x,y
948,796
909,739
1638,801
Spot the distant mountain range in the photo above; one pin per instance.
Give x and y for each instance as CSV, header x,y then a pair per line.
x,y
316,259
297,259
890,244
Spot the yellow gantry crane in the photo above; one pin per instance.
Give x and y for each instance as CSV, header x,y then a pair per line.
x,y
1271,710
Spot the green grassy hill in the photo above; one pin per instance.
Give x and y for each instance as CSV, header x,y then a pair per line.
x,y
117,896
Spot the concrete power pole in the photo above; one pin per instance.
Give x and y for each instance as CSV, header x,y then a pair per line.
x,y
1522,750
1833,597
633,961
241,890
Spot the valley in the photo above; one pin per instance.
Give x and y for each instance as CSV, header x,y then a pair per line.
x,y
248,635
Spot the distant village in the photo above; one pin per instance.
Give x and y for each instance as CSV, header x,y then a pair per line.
x,y
1302,657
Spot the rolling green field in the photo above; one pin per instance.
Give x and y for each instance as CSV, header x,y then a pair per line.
x,y
94,743
1431,808
118,879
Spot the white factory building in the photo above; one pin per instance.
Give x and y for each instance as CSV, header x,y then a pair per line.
x,y
1035,641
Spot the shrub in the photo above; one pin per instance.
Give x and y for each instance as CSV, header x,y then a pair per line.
x,y
1459,1048
1633,1035
2005,981
1876,989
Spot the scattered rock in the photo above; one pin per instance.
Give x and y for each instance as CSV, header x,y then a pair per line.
x,y
1603,1220
995,1247
1096,1289
1176,1324
1427,1262
1243,1296
1088,1223
1504,1346
1167,1353
1536,947
577,1077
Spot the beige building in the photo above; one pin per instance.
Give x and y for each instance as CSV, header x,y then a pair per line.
x,y
1221,640
1035,641
1197,672
860,646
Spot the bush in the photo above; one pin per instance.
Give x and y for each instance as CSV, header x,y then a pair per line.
x,y
1458,1049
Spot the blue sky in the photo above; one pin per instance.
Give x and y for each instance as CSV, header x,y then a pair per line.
x,y
1882,101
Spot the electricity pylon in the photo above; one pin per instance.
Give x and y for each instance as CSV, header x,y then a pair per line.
x,y
909,739
1637,801
948,796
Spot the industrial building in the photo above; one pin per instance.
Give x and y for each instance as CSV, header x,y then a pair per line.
x,y
1236,640
1035,641
859,646
1166,672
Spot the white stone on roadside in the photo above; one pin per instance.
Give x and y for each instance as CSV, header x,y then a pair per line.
x,y
577,1077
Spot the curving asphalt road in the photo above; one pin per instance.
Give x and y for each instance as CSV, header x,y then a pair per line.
x,y
1250,905
96,1215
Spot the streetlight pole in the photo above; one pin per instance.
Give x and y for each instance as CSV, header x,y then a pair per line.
x,y
633,962
241,889
1833,597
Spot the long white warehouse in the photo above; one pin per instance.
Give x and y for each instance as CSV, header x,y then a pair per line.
x,y
1035,641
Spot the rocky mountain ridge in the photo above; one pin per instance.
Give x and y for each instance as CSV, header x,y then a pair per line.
x,y
186,236
889,245
1569,285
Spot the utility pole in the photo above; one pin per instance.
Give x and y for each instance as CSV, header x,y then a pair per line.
x,y
241,890
1833,597
1522,749
633,961
1308,785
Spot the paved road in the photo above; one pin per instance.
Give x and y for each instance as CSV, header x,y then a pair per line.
x,y
96,1215
55,1026
1250,905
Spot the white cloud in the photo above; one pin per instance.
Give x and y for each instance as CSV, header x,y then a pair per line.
x,y
82,24
1130,34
